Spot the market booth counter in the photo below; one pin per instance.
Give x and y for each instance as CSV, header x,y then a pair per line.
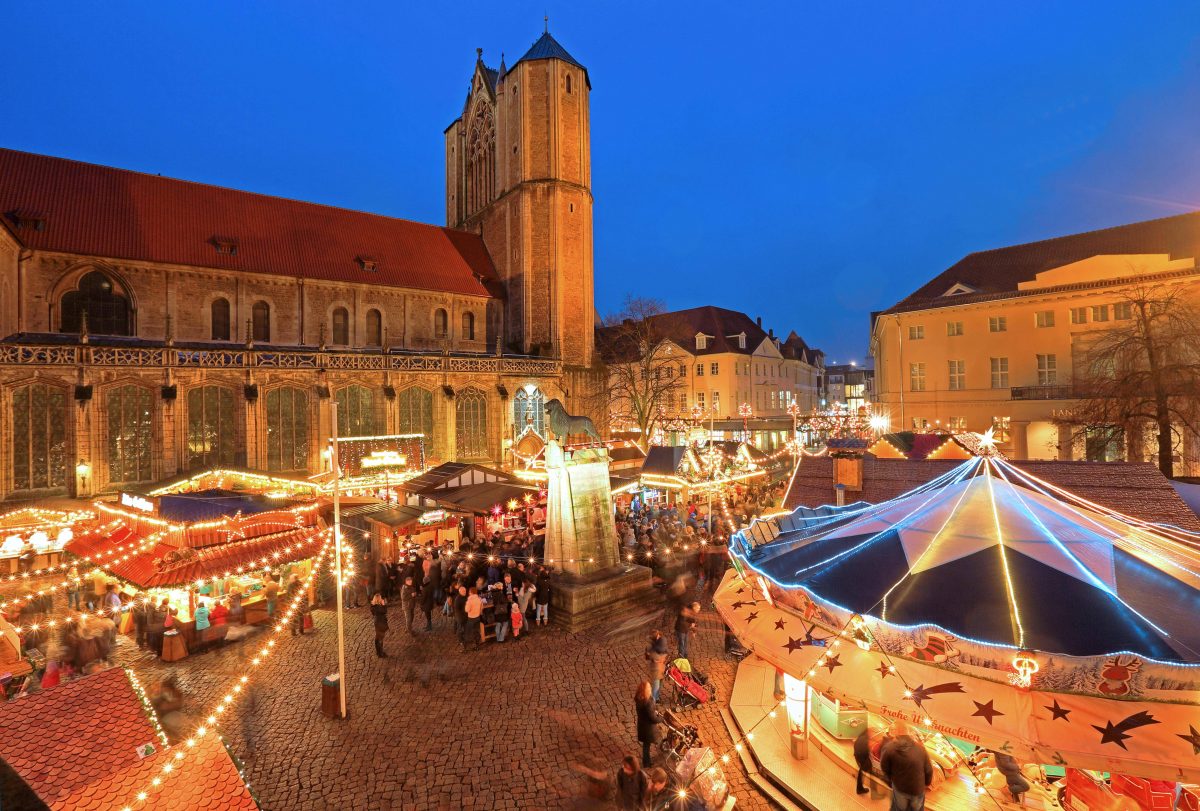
x,y
33,539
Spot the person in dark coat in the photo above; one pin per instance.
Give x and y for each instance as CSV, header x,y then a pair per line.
x,y
379,614
541,597
411,595
430,595
906,768
632,785
862,756
648,721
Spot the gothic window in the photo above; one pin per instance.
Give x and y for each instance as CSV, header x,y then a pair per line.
x,y
211,428
481,159
341,326
441,323
470,411
374,328
130,433
468,326
219,315
39,449
261,321
356,412
107,309
416,411
529,409
287,429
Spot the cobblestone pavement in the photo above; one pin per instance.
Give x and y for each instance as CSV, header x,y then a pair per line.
x,y
431,727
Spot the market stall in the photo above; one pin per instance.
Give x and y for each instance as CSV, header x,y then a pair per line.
x,y
988,610
32,539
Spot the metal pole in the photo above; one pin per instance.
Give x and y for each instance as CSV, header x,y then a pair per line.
x,y
337,551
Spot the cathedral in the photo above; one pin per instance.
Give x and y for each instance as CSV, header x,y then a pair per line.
x,y
152,326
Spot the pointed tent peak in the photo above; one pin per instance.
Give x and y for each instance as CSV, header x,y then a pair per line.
x,y
547,47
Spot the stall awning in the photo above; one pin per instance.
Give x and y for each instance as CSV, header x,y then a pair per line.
x,y
397,517
481,498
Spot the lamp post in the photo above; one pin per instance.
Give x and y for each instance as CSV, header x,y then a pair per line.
x,y
337,553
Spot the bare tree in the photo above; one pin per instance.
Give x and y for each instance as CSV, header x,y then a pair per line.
x,y
643,367
1143,370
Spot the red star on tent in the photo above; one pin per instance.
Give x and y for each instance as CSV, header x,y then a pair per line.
x,y
986,711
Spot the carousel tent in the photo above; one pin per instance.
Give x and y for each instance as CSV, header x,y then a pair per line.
x,y
984,555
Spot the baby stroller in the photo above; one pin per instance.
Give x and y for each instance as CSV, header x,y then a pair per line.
x,y
679,737
690,688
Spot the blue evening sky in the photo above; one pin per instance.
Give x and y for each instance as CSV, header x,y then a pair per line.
x,y
804,162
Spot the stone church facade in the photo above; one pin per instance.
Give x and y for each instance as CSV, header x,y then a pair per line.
x,y
153,327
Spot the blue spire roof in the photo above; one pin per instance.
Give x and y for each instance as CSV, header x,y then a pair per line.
x,y
547,47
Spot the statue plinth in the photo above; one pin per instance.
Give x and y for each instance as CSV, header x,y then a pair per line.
x,y
581,541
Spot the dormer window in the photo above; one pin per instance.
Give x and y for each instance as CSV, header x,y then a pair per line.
x,y
367,263
701,341
960,289
226,245
26,219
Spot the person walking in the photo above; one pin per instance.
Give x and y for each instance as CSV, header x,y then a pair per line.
x,y
379,615
541,597
648,721
684,625
430,594
412,596
632,785
656,657
906,768
474,608
460,616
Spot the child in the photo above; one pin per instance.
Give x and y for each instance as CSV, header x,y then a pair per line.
x,y
518,620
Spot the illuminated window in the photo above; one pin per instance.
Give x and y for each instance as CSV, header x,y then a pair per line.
x,y
956,424
530,409
916,333
700,400
958,375
1000,428
39,442
998,324
212,437
130,433
470,411
1044,319
954,328
999,373
287,429
416,411
916,376
1047,368
357,412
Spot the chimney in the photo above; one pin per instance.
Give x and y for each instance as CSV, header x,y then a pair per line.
x,y
771,333
758,321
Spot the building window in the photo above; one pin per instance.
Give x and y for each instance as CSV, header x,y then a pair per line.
x,y
1122,311
416,412
999,373
374,328
920,423
530,410
260,321
714,369
702,342
568,83
470,411
130,433
219,318
287,429
682,370
39,446
916,376
1000,429
1100,312
468,326
212,438
956,425
716,401
1105,443
107,310
954,328
341,326
357,415
998,323
1045,318
958,375
916,333
1079,315
699,370
700,400
441,323
1047,366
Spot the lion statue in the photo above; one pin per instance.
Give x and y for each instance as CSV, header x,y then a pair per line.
x,y
563,424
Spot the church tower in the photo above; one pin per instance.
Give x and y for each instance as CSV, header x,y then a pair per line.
x,y
518,172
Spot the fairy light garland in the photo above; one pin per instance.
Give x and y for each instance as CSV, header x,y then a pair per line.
x,y
67,564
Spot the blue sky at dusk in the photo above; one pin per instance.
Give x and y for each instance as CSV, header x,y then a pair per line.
x,y
802,162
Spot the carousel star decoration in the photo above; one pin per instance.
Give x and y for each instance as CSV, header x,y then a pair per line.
x,y
752,617
736,606
779,624
1193,737
986,711
1058,712
884,670
832,662
1117,733
921,692
794,644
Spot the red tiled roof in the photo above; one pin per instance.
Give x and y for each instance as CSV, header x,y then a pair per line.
x,y
207,779
1002,269
1134,488
719,324
118,214
64,738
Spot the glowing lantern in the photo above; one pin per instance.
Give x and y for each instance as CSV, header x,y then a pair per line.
x,y
1025,666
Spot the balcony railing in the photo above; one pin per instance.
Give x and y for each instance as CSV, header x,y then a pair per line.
x,y
1056,392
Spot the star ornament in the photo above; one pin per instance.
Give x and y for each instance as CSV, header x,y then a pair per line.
x,y
1118,733
779,624
1057,712
884,670
832,662
794,644
1193,737
986,711
753,615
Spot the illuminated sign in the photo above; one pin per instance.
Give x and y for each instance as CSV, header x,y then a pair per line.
x,y
137,502
433,517
377,459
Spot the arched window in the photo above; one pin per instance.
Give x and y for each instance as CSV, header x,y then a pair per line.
x,y
107,309
287,429
416,411
441,323
212,431
130,433
357,414
341,326
470,410
260,326
481,160
468,326
39,448
529,409
219,312
374,328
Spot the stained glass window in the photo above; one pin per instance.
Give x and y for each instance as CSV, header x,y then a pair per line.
x,y
357,415
130,433
287,429
39,453
530,409
470,408
416,412
212,437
